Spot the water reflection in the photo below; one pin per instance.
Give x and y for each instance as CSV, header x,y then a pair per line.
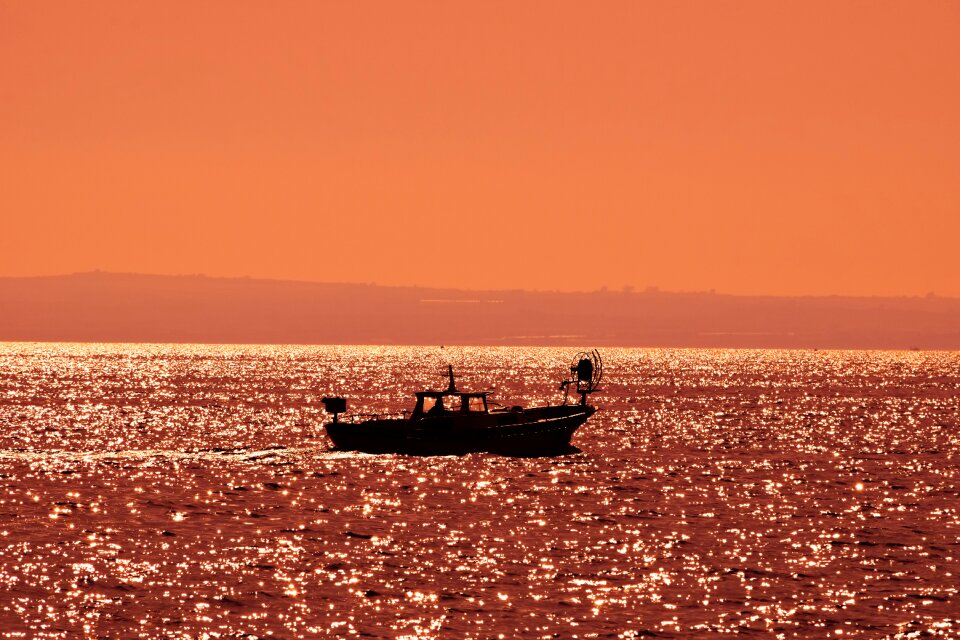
x,y
175,491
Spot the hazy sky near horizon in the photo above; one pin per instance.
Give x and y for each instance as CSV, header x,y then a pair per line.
x,y
747,147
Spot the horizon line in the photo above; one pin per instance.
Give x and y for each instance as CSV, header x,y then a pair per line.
x,y
488,345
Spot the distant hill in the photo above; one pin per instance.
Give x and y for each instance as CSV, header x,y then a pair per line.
x,y
109,307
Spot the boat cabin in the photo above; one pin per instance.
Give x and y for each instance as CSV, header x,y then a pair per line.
x,y
449,402
440,403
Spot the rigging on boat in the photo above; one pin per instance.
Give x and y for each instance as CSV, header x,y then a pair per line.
x,y
587,368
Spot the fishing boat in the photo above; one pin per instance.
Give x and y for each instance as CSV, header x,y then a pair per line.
x,y
455,422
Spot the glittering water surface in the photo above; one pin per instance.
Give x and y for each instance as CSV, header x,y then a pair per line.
x,y
172,491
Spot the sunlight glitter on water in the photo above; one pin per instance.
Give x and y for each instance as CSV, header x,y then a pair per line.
x,y
778,494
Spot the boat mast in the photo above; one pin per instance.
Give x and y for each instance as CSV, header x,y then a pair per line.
x,y
452,388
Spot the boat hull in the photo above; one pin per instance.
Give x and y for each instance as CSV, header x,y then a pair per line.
x,y
532,432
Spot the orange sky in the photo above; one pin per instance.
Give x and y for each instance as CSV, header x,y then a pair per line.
x,y
747,147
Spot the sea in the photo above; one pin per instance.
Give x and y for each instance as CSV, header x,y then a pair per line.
x,y
189,491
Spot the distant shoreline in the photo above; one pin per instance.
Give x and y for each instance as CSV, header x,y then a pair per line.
x,y
133,308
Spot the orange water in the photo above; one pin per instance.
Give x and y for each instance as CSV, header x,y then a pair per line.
x,y
172,491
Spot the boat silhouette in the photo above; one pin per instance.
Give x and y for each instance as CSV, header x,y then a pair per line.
x,y
454,422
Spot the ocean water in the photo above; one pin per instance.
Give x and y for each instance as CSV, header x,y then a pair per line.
x,y
171,491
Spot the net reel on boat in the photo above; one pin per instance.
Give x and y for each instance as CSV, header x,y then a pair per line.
x,y
587,367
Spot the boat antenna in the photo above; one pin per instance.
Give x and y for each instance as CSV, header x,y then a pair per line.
x,y
452,388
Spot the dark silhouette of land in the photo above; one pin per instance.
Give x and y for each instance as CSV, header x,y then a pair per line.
x,y
108,307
